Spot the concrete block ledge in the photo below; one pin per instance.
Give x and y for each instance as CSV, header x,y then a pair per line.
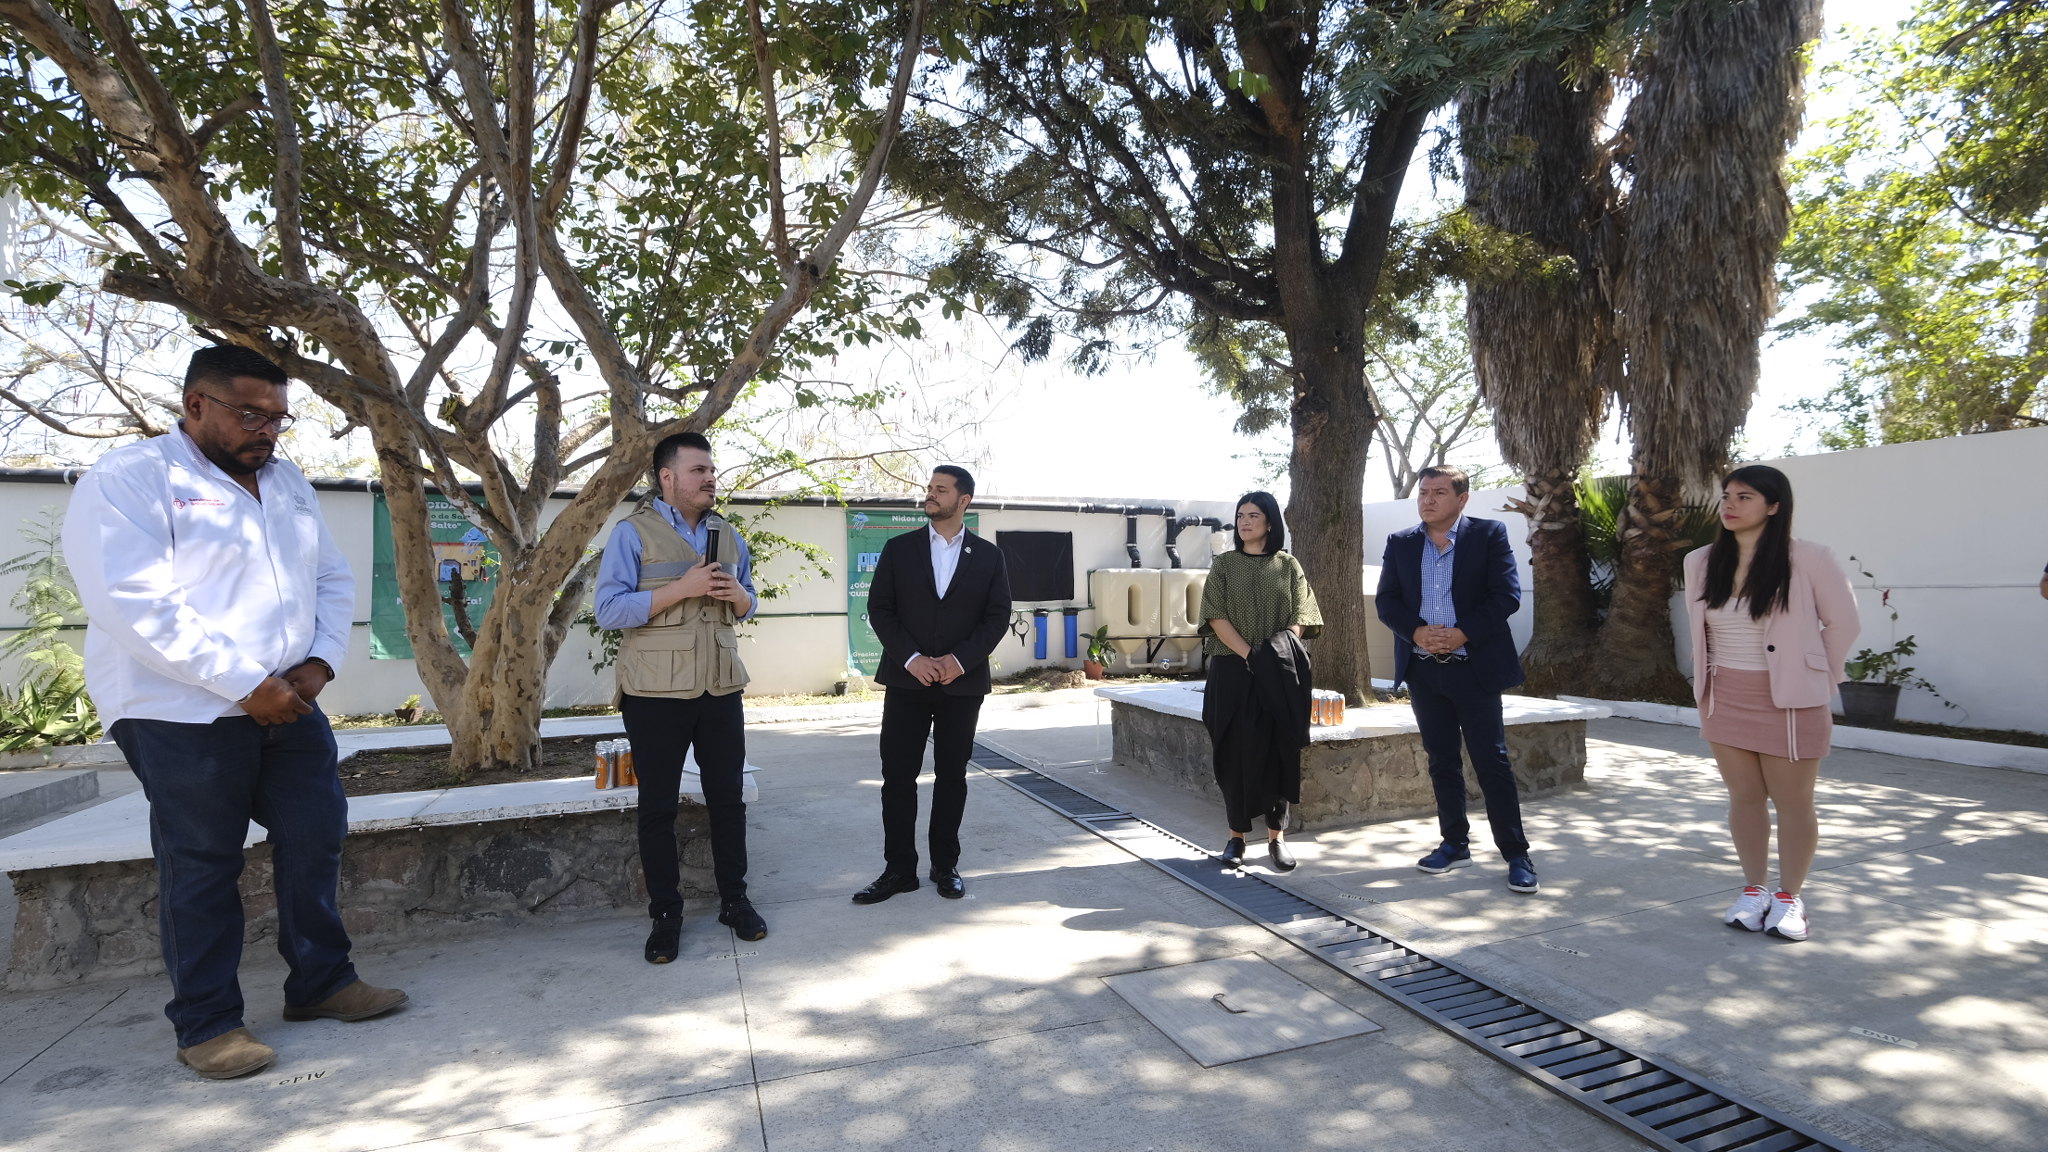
x,y
27,795
416,865
1185,699
1975,753
1370,769
119,829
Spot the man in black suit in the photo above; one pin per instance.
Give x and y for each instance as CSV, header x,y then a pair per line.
x,y
1447,588
940,603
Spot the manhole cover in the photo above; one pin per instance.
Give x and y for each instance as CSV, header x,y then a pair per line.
x,y
1221,1011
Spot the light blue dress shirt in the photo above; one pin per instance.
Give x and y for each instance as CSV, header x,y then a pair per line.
x,y
620,604
1436,580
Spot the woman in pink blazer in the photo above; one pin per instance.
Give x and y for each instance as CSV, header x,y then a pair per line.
x,y
1772,621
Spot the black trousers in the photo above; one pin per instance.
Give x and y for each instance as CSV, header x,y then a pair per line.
x,y
662,731
1239,760
1448,702
910,716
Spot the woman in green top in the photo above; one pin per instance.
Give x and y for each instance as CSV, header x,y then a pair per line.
x,y
1255,594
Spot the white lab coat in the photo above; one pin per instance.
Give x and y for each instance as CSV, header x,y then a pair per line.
x,y
194,591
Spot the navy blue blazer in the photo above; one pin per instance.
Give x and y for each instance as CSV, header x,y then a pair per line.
x,y
1485,591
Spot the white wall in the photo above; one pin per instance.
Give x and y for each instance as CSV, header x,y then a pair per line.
x,y
1956,528
786,649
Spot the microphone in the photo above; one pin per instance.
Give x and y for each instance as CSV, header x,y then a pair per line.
x,y
711,545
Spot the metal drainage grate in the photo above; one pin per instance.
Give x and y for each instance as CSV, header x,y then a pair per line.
x,y
1670,1108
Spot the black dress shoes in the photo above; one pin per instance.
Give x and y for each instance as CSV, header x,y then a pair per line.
x,y
739,915
949,884
1233,851
1282,859
886,885
665,940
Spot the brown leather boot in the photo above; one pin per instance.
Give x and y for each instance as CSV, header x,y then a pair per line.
x,y
228,1055
358,1001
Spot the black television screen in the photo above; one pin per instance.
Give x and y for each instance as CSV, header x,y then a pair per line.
x,y
1041,566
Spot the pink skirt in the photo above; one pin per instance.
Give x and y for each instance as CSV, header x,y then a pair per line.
x,y
1736,710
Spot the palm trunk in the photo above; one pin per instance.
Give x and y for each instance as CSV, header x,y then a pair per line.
x,y
1637,657
1566,616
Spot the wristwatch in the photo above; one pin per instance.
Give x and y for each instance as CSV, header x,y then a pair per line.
x,y
324,666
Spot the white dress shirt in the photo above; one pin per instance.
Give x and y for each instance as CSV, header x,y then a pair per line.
x,y
194,590
945,557
945,562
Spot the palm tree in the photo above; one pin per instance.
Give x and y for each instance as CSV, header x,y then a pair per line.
x,y
1541,327
1672,281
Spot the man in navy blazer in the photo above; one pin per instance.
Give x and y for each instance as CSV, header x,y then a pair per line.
x,y
940,603
1447,588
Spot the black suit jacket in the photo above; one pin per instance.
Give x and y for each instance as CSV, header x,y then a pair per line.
x,y
910,617
1485,591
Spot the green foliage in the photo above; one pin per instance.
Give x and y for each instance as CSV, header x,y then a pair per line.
x,y
1887,666
1100,649
1603,502
1920,238
664,220
46,712
1112,164
49,705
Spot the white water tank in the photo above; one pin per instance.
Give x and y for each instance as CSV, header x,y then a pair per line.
x,y
1180,600
1126,600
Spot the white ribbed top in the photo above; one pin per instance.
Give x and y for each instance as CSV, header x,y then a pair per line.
x,y
1734,640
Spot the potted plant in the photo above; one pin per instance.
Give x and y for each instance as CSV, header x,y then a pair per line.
x,y
1870,696
408,712
1100,650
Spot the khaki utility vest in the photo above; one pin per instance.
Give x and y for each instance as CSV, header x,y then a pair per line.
x,y
689,649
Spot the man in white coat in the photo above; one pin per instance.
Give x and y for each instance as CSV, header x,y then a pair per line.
x,y
218,608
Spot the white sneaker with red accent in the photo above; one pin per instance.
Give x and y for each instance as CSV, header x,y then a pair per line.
x,y
1787,919
1749,909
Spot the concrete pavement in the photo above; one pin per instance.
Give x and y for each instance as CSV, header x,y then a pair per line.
x,y
1913,1019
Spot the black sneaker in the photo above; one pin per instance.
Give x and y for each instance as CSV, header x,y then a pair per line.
x,y
665,940
739,915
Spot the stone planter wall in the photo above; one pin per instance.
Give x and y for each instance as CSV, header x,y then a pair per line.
x,y
1364,781
99,920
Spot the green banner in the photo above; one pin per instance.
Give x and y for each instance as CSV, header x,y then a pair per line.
x,y
462,556
866,532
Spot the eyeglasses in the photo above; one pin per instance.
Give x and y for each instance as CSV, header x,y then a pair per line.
x,y
253,420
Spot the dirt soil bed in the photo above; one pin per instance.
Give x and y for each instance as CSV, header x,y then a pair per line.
x,y
423,769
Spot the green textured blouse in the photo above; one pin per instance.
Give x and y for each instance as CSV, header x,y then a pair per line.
x,y
1259,595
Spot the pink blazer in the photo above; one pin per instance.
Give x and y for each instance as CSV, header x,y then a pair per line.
x,y
1805,645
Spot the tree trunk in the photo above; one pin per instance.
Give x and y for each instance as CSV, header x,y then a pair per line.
x,y
1333,422
498,722
1561,586
1637,656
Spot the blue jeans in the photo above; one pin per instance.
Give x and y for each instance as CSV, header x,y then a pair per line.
x,y
1448,702
205,783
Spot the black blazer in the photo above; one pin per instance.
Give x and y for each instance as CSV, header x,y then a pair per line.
x,y
1485,591
910,617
